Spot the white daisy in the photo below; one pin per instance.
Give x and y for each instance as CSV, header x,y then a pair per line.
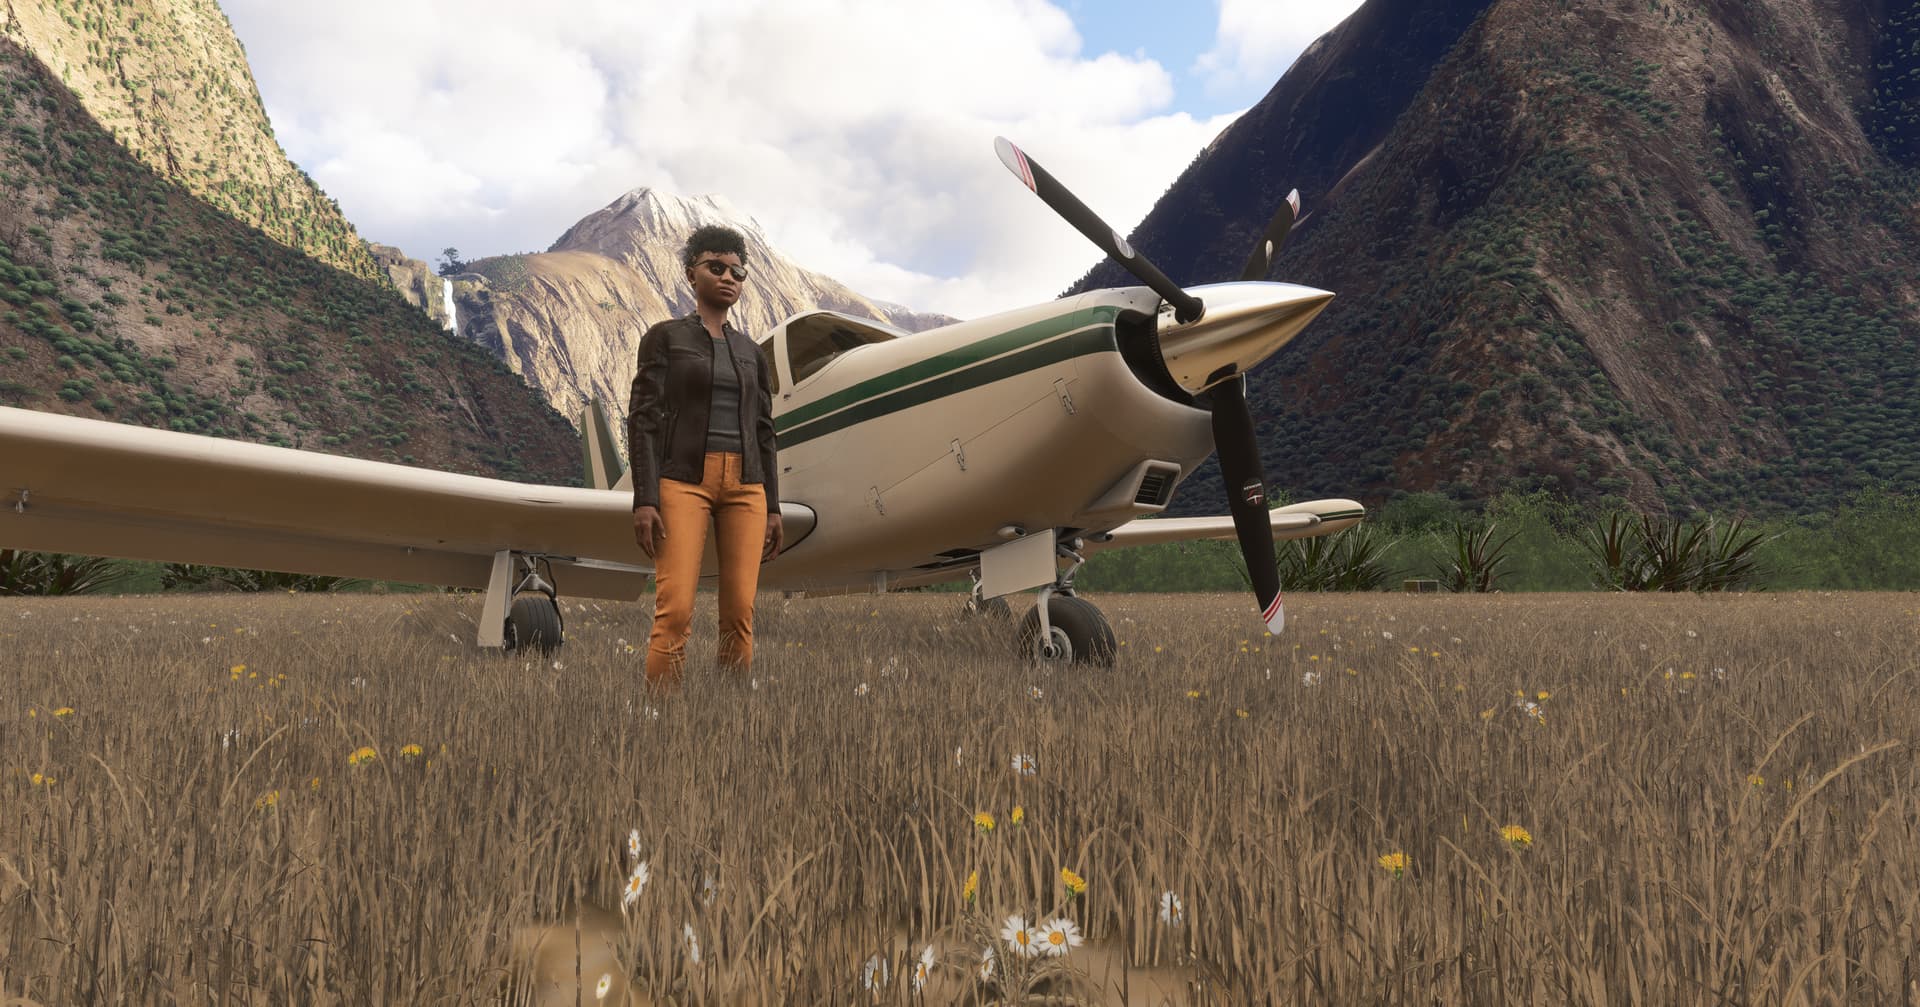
x,y
633,844
1310,678
874,975
923,969
1035,692
1173,912
1060,936
1024,765
605,985
693,944
1019,937
860,690
635,885
987,958
708,889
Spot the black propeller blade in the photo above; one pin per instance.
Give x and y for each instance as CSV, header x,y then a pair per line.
x,y
1262,258
1186,307
1233,436
1247,494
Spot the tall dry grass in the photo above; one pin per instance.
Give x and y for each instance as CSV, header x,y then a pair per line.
x,y
1720,793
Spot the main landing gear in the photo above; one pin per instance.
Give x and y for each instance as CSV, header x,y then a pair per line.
x,y
525,617
1063,627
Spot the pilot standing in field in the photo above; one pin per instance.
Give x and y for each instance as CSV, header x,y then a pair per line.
x,y
700,441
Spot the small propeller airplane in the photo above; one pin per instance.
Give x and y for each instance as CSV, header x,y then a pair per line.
x,y
1004,449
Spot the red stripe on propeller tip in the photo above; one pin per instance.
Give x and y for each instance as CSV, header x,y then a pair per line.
x,y
1276,614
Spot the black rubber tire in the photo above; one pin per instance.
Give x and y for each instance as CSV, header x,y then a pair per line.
x,y
995,607
1078,628
533,622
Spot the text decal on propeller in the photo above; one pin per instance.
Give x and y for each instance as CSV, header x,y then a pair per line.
x,y
1253,493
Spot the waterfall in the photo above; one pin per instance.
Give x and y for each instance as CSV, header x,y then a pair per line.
x,y
446,295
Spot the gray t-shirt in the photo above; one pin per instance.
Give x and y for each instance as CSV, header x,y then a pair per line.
x,y
723,415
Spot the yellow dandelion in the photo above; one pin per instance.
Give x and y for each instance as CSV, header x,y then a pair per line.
x,y
1242,714
65,711
972,887
1516,835
1076,884
362,756
410,752
316,783
1193,693
1756,780
1545,695
1394,863
267,801
1018,815
983,821
39,780
1687,676
1486,714
237,670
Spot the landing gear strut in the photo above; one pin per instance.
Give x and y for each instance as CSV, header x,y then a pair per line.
x,y
1064,627
978,606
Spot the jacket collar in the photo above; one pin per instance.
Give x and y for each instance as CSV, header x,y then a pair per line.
x,y
726,328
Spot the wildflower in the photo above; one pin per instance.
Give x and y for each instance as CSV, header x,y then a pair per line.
x,y
601,988
983,821
362,756
1385,635
1018,937
1242,714
1310,678
633,843
986,963
709,889
1756,780
1193,693
693,944
267,801
39,780
1025,765
1545,695
1060,936
1394,863
1687,676
316,783
1074,882
860,690
1517,836
1018,815
1173,912
923,969
636,884
410,752
972,887
874,975
1486,714
1033,692
65,711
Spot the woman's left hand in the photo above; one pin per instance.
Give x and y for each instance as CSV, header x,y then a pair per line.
x,y
774,534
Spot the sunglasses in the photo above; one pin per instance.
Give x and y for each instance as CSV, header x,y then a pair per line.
x,y
718,268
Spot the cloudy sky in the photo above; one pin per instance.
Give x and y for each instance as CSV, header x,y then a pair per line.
x,y
857,133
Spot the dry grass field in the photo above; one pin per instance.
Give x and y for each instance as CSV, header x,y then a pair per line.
x,y
1719,797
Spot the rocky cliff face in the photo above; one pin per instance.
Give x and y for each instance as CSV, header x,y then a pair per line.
x,y
569,320
415,280
1663,252
169,80
124,297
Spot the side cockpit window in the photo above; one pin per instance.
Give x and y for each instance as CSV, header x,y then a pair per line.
x,y
773,370
815,341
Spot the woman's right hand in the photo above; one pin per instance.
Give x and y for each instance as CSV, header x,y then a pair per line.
x,y
648,530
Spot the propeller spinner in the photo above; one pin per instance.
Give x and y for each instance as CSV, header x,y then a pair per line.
x,y
1233,434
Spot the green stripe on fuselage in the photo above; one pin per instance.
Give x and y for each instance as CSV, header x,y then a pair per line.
x,y
954,371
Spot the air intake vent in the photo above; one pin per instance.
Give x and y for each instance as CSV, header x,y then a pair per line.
x,y
1155,487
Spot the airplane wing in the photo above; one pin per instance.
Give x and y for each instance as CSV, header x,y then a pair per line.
x,y
111,489
1301,520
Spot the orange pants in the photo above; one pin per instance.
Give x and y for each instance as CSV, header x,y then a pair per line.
x,y
738,513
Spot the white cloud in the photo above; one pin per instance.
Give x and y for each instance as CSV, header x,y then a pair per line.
x,y
859,133
1259,39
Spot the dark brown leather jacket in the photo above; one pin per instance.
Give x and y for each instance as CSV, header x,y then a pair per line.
x,y
667,414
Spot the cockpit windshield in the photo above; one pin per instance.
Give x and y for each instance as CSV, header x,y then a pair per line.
x,y
815,340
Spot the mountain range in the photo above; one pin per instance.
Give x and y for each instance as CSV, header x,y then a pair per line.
x,y
1655,252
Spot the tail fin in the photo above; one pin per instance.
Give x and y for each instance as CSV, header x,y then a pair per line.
x,y
605,468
